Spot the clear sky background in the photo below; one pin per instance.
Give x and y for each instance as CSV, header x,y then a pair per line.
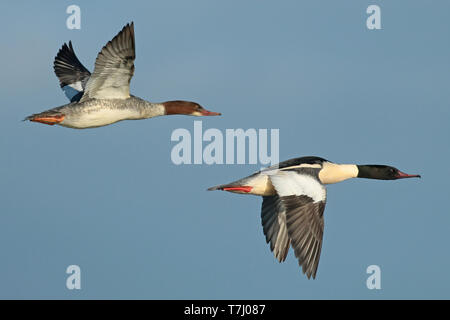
x,y
111,201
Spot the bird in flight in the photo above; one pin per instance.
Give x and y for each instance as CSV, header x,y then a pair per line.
x,y
294,197
103,97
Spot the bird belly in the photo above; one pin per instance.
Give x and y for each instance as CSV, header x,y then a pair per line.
x,y
98,118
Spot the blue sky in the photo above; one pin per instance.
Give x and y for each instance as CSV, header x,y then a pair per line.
x,y
111,201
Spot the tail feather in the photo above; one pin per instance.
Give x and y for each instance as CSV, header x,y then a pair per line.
x,y
241,183
50,117
255,184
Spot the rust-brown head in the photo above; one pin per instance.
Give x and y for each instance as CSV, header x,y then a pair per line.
x,y
187,108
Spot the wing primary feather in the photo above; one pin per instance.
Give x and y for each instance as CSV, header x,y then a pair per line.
x,y
71,73
114,68
274,226
303,199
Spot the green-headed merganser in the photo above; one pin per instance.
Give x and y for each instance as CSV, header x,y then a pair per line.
x,y
294,197
103,97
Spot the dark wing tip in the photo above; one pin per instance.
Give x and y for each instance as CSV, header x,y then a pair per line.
x,y
129,25
274,228
67,67
131,28
305,226
121,38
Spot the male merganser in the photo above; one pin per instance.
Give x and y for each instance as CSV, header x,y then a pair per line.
x,y
294,197
103,97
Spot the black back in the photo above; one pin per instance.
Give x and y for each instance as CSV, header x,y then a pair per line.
x,y
298,161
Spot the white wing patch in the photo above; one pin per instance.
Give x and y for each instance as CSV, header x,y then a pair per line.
x,y
289,183
76,86
70,91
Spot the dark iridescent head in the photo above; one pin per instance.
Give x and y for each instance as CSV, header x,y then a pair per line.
x,y
374,171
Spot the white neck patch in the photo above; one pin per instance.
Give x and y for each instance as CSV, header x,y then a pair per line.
x,y
333,173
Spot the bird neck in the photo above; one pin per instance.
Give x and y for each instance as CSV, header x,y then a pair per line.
x,y
333,172
369,171
151,110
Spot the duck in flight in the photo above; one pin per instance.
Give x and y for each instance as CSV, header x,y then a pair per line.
x,y
103,97
294,197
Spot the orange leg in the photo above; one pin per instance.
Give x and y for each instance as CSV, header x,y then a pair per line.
x,y
50,120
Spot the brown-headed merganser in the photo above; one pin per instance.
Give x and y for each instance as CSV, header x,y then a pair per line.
x,y
294,197
103,97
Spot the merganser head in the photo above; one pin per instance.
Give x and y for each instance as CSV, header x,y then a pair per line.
x,y
382,172
187,108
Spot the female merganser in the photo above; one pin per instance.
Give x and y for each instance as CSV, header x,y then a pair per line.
x,y
294,197
104,97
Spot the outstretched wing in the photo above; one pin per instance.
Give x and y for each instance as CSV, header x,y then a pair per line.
x,y
273,217
114,68
71,73
303,198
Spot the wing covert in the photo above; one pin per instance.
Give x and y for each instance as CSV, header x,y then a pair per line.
x,y
114,68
